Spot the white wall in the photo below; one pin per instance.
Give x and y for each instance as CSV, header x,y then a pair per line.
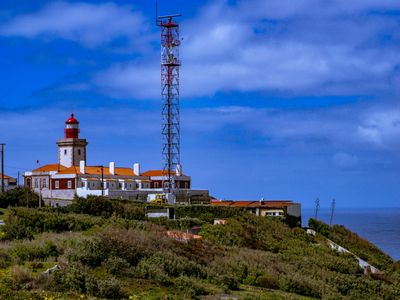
x,y
65,159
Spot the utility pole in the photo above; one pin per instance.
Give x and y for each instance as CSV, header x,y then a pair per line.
x,y
40,197
316,208
332,211
40,189
102,181
2,167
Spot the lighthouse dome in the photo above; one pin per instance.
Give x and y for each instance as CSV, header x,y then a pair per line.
x,y
72,120
72,128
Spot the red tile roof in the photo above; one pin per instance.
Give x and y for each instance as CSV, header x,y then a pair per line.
x,y
96,170
157,173
7,177
50,167
261,203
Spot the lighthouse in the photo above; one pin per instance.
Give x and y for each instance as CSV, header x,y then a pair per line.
x,y
71,149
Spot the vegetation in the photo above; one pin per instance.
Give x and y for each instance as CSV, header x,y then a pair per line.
x,y
108,249
19,197
359,246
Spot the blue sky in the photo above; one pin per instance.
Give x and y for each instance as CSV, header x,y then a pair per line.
x,y
280,99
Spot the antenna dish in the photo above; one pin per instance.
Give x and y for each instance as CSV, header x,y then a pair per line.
x,y
169,16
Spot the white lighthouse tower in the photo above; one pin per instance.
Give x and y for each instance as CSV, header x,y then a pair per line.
x,y
71,149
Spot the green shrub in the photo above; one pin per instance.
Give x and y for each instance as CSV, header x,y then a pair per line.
x,y
208,213
109,288
148,269
23,223
88,252
116,265
21,277
297,284
19,197
189,287
350,240
96,206
228,281
34,250
268,281
5,259
74,277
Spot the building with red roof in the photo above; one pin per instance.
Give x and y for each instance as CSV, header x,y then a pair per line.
x,y
71,175
267,208
9,182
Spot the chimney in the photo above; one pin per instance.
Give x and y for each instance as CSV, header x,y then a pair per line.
x,y
136,169
82,166
178,170
112,168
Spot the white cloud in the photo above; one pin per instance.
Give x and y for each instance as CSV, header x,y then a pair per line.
x,y
89,24
304,47
313,49
345,161
381,128
329,130
130,80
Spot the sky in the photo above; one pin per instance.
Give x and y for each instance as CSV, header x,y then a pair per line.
x,y
280,99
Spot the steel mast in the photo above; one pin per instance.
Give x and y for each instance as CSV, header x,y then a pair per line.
x,y
170,126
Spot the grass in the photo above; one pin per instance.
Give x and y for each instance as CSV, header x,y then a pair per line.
x,y
120,257
3,213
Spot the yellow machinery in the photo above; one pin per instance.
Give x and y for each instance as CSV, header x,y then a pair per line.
x,y
157,199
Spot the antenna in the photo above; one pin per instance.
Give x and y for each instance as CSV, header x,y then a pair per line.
x,y
332,211
316,208
170,127
157,13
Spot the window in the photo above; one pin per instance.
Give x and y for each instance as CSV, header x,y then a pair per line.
x,y
57,184
79,151
186,185
44,183
65,151
36,183
69,184
156,185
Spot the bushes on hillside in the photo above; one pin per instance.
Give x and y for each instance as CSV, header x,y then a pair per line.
x,y
208,213
19,197
350,240
23,223
120,256
78,278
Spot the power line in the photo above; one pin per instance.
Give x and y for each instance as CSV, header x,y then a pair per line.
x,y
17,168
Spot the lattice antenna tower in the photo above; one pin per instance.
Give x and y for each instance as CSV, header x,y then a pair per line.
x,y
170,127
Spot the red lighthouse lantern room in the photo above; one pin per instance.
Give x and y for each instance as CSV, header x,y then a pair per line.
x,y
72,128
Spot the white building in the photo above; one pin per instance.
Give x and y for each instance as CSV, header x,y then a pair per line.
x,y
72,176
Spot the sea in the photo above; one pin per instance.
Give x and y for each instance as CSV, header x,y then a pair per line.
x,y
380,226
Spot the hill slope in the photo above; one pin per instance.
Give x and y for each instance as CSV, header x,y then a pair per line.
x,y
120,254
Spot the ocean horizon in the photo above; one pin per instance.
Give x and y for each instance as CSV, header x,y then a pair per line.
x,y
380,226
